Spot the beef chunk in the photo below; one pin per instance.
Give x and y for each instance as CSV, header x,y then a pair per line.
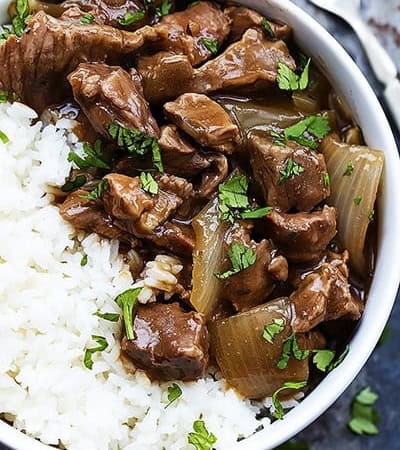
x,y
251,63
213,176
205,121
176,237
170,344
303,237
251,286
325,295
36,72
109,94
137,211
243,18
180,157
183,32
302,191
90,216
111,12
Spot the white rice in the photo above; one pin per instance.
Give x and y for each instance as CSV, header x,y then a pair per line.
x,y
47,301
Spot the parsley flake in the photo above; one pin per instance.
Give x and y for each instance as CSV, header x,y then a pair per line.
x,y
87,19
19,20
241,258
136,142
130,18
5,33
364,417
4,138
84,260
102,345
371,215
340,359
127,301
93,157
256,213
210,44
5,96
292,169
291,348
164,9
357,200
273,329
149,184
201,438
69,186
97,191
278,413
323,359
288,80
349,169
267,29
111,317
326,179
174,392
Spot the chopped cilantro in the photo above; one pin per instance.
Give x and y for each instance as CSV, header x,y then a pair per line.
x,y
4,138
292,169
5,96
241,258
268,29
339,360
69,186
364,417
87,19
323,359
278,413
111,317
200,437
164,9
84,260
349,169
136,142
371,215
127,300
97,191
288,80
93,157
130,18
274,328
174,392
5,33
357,200
210,44
149,184
19,20
291,348
256,213
102,345
326,179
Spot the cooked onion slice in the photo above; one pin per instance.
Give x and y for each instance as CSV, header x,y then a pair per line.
x,y
208,258
247,361
353,194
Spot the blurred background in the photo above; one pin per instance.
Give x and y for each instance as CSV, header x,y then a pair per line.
x,y
382,373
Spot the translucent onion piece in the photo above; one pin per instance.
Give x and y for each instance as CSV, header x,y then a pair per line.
x,y
247,361
353,216
208,258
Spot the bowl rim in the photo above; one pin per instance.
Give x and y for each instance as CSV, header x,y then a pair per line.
x,y
367,111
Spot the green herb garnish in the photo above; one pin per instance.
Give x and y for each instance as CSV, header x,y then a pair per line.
x,y
201,438
87,19
326,179
19,20
371,215
97,191
164,9
111,317
289,80
267,29
136,142
174,392
5,34
87,360
149,184
292,169
210,44
274,328
256,213
349,169
69,186
384,336
291,348
84,260
364,417
357,200
323,359
130,18
4,138
127,301
278,413
5,96
93,157
241,258
340,359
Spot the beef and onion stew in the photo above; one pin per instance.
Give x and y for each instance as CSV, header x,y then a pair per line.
x,y
210,140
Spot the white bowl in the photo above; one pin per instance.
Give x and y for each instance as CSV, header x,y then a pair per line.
x,y
349,82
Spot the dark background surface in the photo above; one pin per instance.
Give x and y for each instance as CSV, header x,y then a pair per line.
x,y
382,372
